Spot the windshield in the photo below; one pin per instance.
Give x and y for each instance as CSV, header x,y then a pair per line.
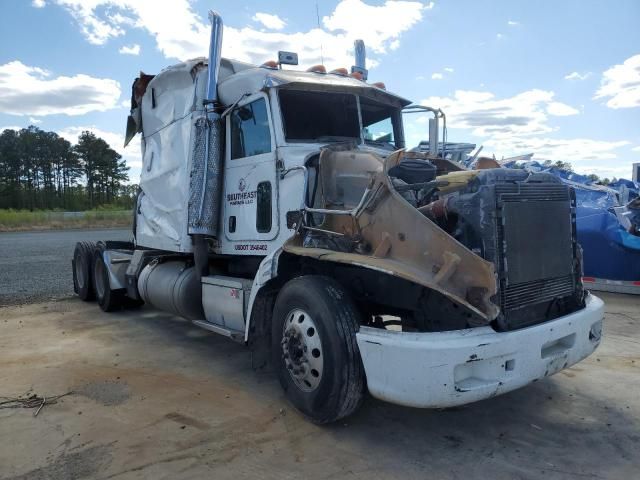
x,y
317,116
377,124
310,116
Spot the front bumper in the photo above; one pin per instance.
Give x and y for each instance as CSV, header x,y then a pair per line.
x,y
444,369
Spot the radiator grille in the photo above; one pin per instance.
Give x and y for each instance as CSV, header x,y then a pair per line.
x,y
512,192
536,240
529,293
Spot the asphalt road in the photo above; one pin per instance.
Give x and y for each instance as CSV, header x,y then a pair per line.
x,y
36,266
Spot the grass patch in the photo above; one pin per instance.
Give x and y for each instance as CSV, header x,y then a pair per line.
x,y
20,220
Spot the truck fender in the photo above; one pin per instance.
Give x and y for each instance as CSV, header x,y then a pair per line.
x,y
267,270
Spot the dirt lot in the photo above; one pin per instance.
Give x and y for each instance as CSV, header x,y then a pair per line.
x,y
155,397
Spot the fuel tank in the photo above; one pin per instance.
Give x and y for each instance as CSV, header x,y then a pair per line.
x,y
172,287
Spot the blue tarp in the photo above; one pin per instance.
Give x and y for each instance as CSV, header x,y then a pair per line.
x,y
610,251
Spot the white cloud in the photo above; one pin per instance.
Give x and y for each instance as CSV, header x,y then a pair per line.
x,y
273,22
34,121
523,114
575,150
520,124
560,109
499,36
96,30
513,23
38,3
577,76
180,33
621,84
636,149
132,50
441,75
376,25
26,90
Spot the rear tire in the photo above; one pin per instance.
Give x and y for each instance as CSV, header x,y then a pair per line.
x,y
314,348
82,266
108,299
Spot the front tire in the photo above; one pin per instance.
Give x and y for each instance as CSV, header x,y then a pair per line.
x,y
314,348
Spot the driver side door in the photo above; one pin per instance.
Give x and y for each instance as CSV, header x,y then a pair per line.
x,y
250,177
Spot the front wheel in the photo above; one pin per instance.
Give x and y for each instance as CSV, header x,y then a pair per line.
x,y
314,348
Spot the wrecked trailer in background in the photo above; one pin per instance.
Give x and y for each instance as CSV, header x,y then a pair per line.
x,y
608,227
279,208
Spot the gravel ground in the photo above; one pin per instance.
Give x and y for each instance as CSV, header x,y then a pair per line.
x,y
155,397
36,266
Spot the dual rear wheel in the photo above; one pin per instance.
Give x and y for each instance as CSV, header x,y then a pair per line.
x,y
91,277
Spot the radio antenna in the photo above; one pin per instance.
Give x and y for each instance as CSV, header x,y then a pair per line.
x,y
318,23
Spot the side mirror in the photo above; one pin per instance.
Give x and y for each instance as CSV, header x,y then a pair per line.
x,y
245,113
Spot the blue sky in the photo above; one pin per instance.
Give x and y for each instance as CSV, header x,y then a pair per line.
x,y
560,79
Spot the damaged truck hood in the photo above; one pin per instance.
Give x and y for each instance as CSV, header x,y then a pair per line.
x,y
393,237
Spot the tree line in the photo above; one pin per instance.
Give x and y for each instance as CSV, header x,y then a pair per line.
x,y
42,170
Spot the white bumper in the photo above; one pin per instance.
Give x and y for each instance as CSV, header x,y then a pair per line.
x,y
443,369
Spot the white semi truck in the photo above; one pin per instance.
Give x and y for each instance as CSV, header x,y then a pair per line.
x,y
280,208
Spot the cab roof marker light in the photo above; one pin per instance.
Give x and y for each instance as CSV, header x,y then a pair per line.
x,y
379,85
317,69
270,64
343,72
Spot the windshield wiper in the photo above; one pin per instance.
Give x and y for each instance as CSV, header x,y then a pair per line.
x,y
334,138
381,144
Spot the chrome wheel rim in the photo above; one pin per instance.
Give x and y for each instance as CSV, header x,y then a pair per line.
x,y
302,350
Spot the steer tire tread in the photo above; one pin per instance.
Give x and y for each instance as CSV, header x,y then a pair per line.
x,y
345,386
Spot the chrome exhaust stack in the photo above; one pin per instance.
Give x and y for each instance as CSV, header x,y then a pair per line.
x,y
205,189
215,49
361,59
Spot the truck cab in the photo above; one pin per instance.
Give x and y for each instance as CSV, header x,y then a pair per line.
x,y
282,209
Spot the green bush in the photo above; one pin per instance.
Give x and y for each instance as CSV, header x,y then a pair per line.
x,y
106,216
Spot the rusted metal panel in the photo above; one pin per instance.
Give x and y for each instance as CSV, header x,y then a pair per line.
x,y
392,236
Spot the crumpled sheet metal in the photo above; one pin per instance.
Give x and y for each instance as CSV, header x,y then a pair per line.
x,y
406,244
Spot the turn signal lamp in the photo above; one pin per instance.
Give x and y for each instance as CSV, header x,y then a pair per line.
x,y
343,72
317,69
